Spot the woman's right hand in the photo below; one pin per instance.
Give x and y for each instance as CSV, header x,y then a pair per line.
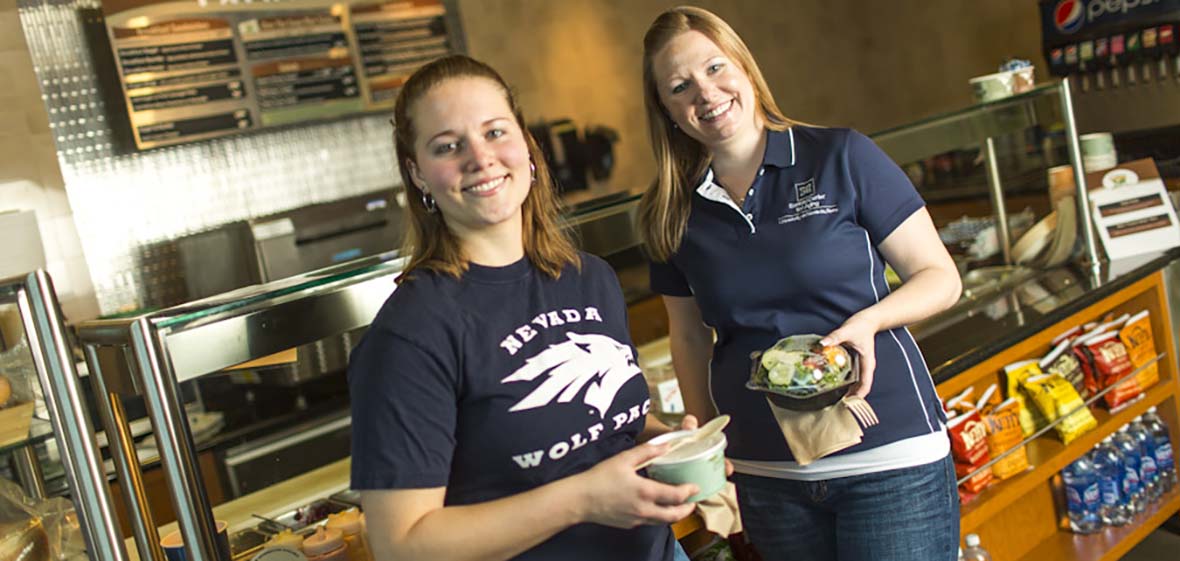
x,y
614,494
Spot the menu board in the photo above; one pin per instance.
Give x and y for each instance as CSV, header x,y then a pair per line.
x,y
192,72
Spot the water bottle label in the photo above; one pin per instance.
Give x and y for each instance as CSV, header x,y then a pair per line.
x,y
1092,497
1130,480
1147,469
1073,500
1163,455
1110,492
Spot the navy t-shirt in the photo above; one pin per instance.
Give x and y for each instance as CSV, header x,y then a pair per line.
x,y
496,383
800,256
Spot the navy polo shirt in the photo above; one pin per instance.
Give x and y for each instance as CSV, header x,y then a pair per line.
x,y
800,256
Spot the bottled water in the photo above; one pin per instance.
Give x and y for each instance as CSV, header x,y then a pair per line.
x,y
1109,466
1165,463
1129,449
1082,496
974,551
1148,474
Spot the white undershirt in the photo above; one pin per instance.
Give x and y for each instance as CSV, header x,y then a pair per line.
x,y
910,452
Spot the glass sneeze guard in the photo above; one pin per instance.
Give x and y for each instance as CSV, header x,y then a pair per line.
x,y
156,351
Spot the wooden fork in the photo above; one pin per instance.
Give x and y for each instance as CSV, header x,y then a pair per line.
x,y
861,410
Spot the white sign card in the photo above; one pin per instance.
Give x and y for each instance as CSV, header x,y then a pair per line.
x,y
1135,219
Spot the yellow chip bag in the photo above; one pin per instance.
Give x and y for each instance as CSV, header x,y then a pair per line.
x,y
1055,397
1031,419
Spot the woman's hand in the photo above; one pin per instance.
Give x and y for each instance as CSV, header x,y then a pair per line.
x,y
689,422
613,494
859,333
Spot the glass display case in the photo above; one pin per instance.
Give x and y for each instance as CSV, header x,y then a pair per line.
x,y
150,355
45,341
993,150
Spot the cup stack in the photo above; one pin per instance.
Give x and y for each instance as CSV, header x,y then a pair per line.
x,y
1098,152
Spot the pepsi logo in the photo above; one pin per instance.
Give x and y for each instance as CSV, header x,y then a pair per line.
x,y
1068,16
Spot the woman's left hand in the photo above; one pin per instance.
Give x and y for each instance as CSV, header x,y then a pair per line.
x,y
859,333
689,422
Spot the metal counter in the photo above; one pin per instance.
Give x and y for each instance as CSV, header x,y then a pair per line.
x,y
151,354
46,333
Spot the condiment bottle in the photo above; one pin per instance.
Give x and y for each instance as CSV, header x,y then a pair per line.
x,y
349,523
325,545
286,538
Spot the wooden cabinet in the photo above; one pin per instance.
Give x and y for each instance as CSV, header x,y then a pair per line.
x,y
1020,518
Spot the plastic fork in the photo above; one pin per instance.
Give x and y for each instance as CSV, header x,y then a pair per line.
x,y
861,410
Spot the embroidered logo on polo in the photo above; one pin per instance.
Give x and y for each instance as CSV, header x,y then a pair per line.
x,y
597,363
808,202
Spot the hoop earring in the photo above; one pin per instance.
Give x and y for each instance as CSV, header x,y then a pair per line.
x,y
428,202
533,171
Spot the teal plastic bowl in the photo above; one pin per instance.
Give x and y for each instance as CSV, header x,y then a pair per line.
x,y
702,463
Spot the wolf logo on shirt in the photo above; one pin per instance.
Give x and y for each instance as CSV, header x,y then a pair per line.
x,y
595,360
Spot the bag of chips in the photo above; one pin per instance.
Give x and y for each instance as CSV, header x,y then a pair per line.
x,y
961,403
1110,364
969,449
1031,420
989,399
1003,434
1055,397
1062,362
1136,335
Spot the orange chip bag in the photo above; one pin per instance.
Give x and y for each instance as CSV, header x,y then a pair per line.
x,y
1136,335
1003,434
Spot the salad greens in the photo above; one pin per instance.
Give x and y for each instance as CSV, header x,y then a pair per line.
x,y
800,366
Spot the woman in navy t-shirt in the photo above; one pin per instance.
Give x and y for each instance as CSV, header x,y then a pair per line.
x,y
761,227
496,399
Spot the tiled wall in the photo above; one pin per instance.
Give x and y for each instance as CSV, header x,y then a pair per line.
x,y
838,62
30,178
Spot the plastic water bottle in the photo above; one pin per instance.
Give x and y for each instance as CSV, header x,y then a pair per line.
x,y
1165,463
1129,449
974,551
1082,496
1109,466
1148,474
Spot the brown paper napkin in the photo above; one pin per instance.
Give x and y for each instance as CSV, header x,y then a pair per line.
x,y
720,512
812,435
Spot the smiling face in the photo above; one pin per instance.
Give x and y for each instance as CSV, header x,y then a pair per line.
x,y
471,155
706,93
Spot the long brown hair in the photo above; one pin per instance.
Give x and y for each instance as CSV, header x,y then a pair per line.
x,y
681,160
428,241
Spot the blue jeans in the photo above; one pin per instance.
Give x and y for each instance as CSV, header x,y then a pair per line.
x,y
909,514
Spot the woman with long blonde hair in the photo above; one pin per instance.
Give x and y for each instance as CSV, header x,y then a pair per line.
x,y
761,227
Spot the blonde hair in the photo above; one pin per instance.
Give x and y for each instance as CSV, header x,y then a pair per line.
x,y
681,160
428,241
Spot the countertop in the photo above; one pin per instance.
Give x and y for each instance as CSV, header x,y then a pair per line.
x,y
952,343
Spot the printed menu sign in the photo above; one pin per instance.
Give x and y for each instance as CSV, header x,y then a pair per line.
x,y
191,72
1134,219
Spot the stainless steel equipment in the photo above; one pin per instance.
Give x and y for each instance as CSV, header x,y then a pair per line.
x,y
164,348
46,333
261,463
282,245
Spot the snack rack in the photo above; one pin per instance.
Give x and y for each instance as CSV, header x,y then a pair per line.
x,y
53,361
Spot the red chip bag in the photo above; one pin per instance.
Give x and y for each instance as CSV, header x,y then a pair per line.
x,y
1111,363
968,434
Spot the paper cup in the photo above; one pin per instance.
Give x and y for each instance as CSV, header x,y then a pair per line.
x,y
702,463
992,86
173,543
1098,145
